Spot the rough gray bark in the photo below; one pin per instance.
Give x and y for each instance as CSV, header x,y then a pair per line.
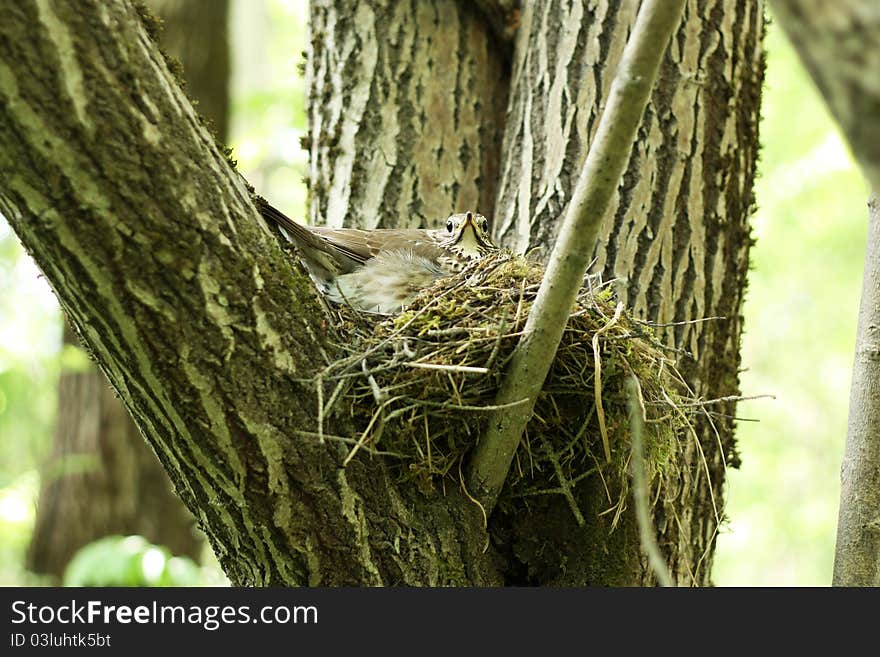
x,y
839,43
568,261
679,238
211,334
406,107
857,555
126,490
205,327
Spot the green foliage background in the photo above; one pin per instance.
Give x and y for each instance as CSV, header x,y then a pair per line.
x,y
800,311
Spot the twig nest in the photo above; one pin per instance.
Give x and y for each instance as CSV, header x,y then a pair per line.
x,y
421,382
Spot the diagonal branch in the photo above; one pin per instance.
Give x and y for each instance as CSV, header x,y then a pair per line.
x,y
575,245
839,44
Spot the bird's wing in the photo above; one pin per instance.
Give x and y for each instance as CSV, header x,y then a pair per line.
x,y
324,258
363,245
342,250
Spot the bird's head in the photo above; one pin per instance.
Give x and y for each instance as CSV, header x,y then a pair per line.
x,y
468,235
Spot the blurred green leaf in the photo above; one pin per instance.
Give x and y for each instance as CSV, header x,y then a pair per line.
x,y
75,359
129,561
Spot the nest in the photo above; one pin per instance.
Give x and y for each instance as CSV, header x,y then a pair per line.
x,y
421,383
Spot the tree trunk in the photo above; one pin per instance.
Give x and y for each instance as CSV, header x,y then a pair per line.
x,y
211,333
857,555
165,270
119,487
406,107
679,239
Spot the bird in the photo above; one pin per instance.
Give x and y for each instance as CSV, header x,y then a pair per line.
x,y
382,271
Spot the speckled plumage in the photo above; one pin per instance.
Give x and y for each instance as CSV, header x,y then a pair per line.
x,y
382,270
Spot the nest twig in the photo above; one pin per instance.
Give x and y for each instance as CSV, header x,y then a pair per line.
x,y
421,382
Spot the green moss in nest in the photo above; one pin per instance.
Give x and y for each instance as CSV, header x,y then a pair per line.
x,y
421,383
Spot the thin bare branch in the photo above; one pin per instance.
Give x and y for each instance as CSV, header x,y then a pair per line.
x,y
574,248
640,485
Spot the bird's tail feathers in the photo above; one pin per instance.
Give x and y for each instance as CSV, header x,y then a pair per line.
x,y
297,232
317,253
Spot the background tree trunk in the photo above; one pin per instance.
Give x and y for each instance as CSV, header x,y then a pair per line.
x,y
102,478
210,332
839,44
196,32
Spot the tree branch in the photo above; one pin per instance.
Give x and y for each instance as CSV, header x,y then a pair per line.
x,y
839,44
575,245
209,331
856,561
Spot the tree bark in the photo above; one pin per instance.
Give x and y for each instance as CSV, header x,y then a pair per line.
x,y
857,555
570,257
211,333
124,489
406,105
679,237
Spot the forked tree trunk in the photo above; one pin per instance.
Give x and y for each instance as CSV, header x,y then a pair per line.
x,y
207,329
679,238
210,332
102,477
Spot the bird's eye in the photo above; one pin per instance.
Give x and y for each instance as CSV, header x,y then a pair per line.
x,y
449,226
484,224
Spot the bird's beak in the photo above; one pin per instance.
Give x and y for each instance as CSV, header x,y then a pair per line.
x,y
469,220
